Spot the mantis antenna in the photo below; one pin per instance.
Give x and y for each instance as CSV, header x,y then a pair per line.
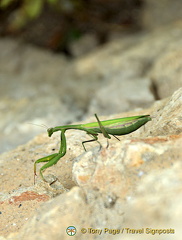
x,y
39,125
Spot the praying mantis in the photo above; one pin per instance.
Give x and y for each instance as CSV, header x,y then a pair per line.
x,y
118,126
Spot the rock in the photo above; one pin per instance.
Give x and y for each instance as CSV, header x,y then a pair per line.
x,y
44,88
75,208
85,44
160,13
119,191
28,93
104,170
159,199
104,190
168,115
2,238
169,79
119,94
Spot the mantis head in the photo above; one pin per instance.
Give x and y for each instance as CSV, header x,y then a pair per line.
x,y
50,131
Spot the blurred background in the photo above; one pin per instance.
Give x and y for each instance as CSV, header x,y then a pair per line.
x,y
61,61
56,24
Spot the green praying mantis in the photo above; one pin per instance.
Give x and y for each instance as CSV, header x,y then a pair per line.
x,y
114,127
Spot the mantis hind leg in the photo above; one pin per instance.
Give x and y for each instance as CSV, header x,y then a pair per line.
x,y
108,141
95,138
117,138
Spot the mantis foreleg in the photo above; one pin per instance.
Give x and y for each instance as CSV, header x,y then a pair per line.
x,y
53,158
44,159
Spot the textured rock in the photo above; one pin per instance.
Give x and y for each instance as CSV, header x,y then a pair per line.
x,y
135,183
130,93
170,77
75,208
43,88
160,13
132,184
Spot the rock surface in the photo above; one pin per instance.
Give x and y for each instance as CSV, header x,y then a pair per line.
x,y
43,88
161,13
130,190
133,185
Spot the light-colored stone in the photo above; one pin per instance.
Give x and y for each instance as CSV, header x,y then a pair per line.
x,y
168,117
121,94
129,180
72,209
44,88
160,13
134,183
170,77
